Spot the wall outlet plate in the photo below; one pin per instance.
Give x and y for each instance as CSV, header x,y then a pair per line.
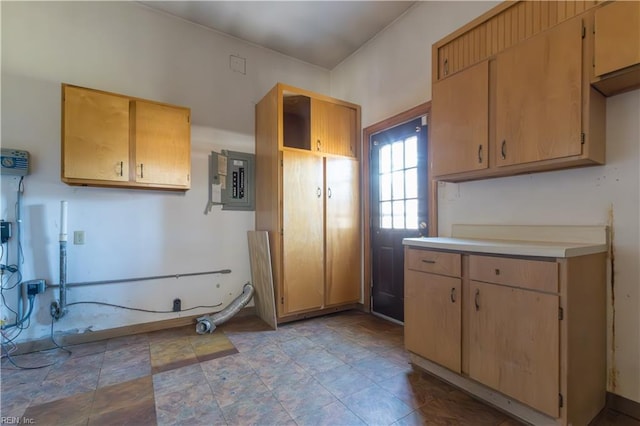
x,y
177,305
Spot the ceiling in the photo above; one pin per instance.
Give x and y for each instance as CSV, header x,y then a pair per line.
x,y
322,33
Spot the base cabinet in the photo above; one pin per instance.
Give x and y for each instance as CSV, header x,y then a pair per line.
x,y
529,329
514,343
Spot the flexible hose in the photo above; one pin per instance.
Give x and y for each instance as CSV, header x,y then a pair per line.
x,y
207,323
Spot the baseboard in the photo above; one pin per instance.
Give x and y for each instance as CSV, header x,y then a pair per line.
x,y
320,312
69,339
623,405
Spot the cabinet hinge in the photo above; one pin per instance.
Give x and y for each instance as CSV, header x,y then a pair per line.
x,y
282,300
582,138
560,400
281,163
560,314
584,31
282,231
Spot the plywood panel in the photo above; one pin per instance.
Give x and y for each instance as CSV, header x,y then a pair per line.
x,y
262,276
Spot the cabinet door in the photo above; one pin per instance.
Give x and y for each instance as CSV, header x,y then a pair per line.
x,y
514,339
460,122
342,229
539,97
162,144
617,36
334,128
303,231
432,317
95,135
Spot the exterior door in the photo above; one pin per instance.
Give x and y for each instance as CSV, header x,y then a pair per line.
x,y
399,193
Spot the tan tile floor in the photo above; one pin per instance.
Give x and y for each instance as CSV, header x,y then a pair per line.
x,y
343,369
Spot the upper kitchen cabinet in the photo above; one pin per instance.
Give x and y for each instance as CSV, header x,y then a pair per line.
x,y
512,93
616,64
539,97
460,121
118,141
323,125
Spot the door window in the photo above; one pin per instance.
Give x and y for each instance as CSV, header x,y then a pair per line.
x,y
398,180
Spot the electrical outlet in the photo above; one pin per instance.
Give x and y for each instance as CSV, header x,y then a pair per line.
x,y
35,286
177,305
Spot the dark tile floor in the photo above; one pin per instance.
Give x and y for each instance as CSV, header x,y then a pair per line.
x,y
343,369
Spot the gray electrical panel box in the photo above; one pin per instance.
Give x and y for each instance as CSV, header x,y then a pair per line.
x,y
235,173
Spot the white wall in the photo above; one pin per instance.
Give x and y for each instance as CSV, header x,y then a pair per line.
x,y
123,47
392,73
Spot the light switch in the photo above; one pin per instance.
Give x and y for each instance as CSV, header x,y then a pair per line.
x,y
78,237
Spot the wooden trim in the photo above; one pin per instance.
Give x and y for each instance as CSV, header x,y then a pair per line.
x,y
320,312
70,339
130,98
403,117
319,96
623,405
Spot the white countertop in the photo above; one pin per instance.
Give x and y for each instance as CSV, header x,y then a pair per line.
x,y
521,240
508,247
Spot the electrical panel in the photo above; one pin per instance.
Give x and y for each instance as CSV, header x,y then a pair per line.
x,y
235,173
14,162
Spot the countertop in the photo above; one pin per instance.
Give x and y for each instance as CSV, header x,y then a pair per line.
x,y
556,241
508,247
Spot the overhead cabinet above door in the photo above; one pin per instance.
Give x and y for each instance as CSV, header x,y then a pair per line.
x,y
118,141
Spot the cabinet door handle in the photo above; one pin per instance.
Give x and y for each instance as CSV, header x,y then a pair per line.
x,y
480,154
477,299
497,271
453,295
318,144
503,149
329,192
446,66
141,170
319,192
121,168
428,261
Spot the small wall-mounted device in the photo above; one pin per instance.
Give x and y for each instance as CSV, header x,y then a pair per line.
x,y
235,173
14,162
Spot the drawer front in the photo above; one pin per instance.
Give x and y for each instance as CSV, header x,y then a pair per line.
x,y
436,262
531,274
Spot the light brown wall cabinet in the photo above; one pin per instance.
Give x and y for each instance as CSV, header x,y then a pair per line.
x,y
616,64
119,141
523,106
532,329
308,198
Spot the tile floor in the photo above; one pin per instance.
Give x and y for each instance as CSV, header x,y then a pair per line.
x,y
344,369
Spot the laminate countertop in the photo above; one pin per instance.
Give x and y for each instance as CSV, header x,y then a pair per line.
x,y
507,247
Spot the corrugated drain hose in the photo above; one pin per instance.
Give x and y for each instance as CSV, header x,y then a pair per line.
x,y
207,323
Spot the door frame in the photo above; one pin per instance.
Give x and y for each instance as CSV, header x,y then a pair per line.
x,y
403,117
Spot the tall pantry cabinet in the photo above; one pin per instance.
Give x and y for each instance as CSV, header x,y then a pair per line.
x,y
308,199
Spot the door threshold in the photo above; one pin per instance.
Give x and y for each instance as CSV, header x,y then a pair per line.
x,y
387,318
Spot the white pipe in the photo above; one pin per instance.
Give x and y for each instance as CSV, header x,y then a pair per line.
x,y
63,220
